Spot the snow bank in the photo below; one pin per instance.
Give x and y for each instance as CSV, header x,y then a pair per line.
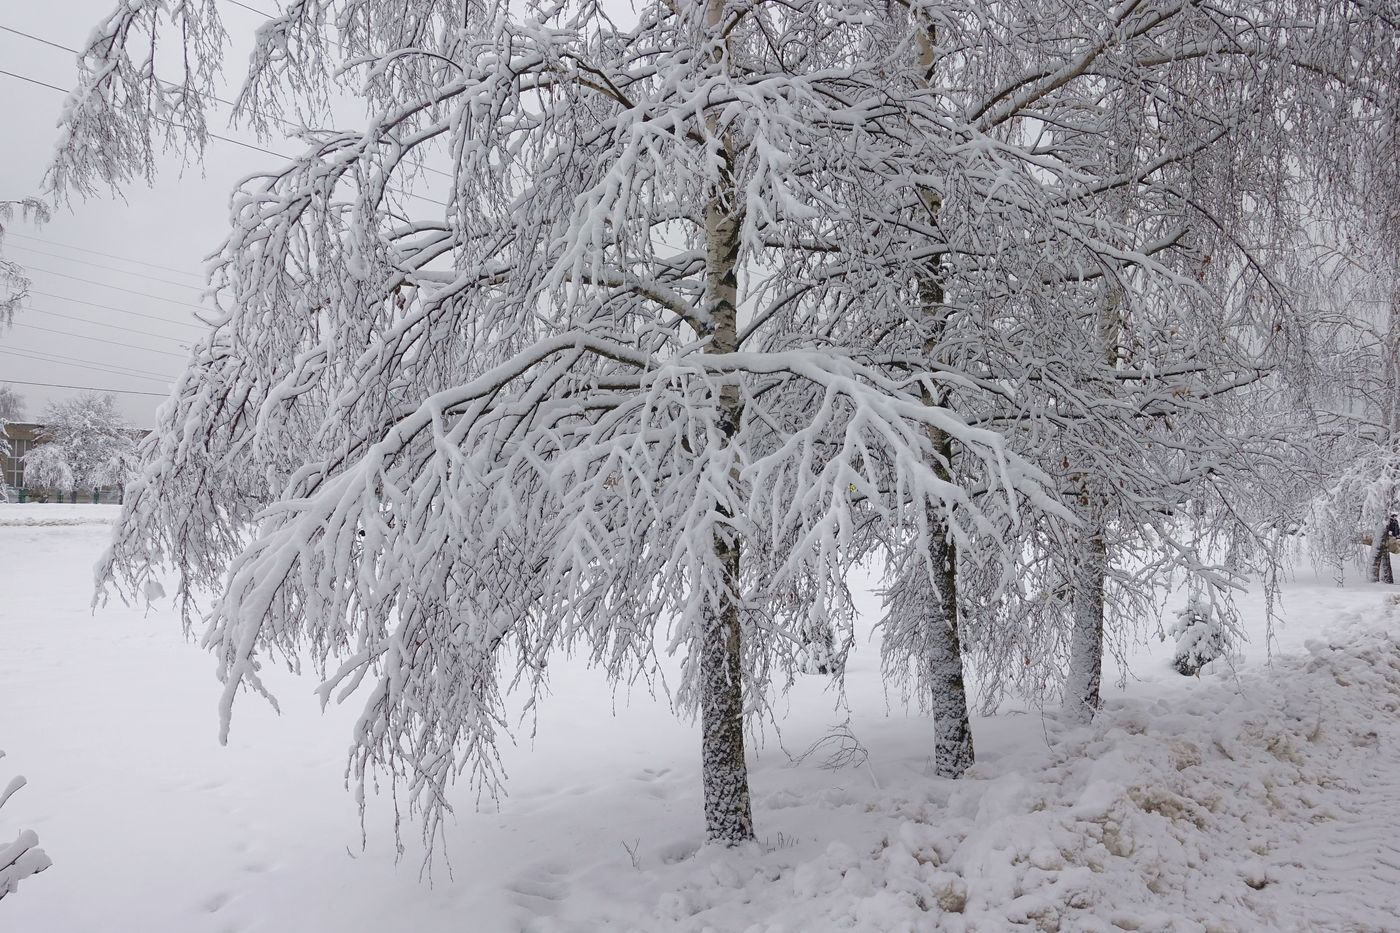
x,y
50,513
1262,802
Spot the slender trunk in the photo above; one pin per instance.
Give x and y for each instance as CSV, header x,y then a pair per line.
x,y
728,812
1082,688
943,665
952,736
1089,569
1380,570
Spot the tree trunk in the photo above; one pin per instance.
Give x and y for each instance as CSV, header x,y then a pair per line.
x,y
943,665
1381,570
1089,569
1082,687
728,811
952,724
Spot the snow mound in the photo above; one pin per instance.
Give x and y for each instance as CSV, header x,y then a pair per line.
x,y
1264,801
48,514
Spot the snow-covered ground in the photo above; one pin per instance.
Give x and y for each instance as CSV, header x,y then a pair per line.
x,y
57,513
1263,799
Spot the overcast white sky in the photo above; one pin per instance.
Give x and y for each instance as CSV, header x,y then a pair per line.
x,y
87,263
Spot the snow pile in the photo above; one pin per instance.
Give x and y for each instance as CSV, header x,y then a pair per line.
x,y
1221,810
50,513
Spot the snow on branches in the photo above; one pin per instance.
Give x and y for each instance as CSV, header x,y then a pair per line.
x,y
628,337
22,858
14,284
86,443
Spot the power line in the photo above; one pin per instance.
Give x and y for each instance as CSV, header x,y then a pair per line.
x,y
61,48
30,309
98,265
33,81
94,304
110,343
129,291
39,356
59,385
98,252
249,9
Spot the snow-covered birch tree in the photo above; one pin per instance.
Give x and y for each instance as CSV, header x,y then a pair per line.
x,y
628,337
610,391
1179,125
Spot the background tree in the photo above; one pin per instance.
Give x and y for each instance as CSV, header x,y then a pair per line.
x,y
11,404
86,443
1178,122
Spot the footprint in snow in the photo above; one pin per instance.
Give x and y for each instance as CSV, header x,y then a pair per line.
x,y
653,778
541,888
215,902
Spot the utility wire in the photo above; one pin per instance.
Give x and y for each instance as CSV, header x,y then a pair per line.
x,y
60,385
129,291
94,304
112,368
39,356
104,340
97,252
98,265
61,48
249,9
33,81
30,309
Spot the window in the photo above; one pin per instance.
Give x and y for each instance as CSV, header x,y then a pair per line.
x,y
14,465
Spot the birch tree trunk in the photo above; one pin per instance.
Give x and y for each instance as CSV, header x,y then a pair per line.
x,y
1380,570
728,811
1083,685
943,664
1089,568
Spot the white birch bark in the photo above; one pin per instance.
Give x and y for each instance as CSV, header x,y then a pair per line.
x,y
725,779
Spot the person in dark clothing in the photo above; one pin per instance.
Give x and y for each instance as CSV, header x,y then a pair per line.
x,y
1381,571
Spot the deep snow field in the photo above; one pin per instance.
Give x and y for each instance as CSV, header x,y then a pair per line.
x,y
1266,797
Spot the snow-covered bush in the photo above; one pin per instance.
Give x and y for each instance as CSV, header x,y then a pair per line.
x,y
23,857
1201,636
87,444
